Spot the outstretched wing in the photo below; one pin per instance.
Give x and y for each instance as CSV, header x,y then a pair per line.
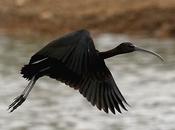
x,y
74,60
103,92
76,50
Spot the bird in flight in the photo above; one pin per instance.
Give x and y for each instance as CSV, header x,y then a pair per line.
x,y
73,60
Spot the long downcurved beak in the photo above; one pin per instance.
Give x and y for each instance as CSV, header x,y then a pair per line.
x,y
150,52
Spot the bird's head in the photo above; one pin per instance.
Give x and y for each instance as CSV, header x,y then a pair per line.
x,y
127,47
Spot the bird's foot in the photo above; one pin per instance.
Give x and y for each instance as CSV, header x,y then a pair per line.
x,y
16,103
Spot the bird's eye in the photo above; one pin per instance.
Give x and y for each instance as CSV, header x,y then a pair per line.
x,y
131,46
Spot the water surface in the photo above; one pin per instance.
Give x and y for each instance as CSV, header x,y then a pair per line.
x,y
147,84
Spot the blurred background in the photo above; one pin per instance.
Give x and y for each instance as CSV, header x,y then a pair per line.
x,y
147,84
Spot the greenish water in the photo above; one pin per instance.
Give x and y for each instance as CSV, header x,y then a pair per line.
x,y
147,84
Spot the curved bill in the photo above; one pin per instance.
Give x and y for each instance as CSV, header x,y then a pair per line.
x,y
150,52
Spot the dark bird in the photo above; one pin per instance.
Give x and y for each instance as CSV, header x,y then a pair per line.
x,y
73,60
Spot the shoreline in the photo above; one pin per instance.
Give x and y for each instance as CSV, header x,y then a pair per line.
x,y
148,19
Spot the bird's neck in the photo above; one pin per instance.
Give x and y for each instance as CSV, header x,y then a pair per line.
x,y
110,53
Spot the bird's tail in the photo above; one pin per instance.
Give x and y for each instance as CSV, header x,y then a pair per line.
x,y
29,70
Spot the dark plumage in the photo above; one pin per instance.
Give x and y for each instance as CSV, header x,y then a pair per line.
x,y
73,60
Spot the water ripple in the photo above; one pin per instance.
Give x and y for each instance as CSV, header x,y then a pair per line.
x,y
147,84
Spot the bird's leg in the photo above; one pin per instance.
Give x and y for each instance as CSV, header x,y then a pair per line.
x,y
20,99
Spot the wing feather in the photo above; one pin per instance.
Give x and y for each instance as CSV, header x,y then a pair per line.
x,y
93,97
98,101
115,102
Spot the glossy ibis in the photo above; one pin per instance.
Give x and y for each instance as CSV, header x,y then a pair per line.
x,y
73,60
